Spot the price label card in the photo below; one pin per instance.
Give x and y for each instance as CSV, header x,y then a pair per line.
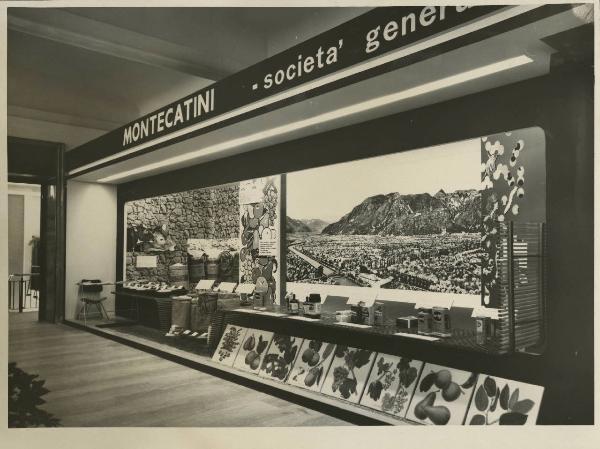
x,y
302,318
417,336
227,287
205,284
342,323
485,311
245,288
146,261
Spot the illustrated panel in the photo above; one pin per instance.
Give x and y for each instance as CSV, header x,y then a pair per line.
x,y
280,357
499,401
442,396
348,373
253,350
311,364
230,344
391,384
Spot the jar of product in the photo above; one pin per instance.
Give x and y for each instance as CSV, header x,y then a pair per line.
x,y
312,306
425,325
293,305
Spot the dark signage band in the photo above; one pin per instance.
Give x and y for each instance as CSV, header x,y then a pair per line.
x,y
370,35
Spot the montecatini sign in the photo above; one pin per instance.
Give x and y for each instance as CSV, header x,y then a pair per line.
x,y
306,69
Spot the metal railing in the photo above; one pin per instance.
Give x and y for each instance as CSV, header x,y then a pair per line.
x,y
20,294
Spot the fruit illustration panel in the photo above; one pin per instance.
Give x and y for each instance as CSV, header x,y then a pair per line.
x,y
348,373
442,396
500,401
311,364
253,350
230,344
279,359
391,384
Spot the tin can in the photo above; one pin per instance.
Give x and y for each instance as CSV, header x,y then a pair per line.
x,y
482,329
424,326
441,322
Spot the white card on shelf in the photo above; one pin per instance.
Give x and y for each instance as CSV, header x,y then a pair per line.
x,y
146,261
485,311
274,314
420,337
302,318
227,287
205,284
342,323
246,288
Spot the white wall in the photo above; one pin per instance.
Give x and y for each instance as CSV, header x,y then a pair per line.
x,y
91,240
70,135
31,217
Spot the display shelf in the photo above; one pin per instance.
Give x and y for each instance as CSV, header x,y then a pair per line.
x,y
326,404
461,339
459,352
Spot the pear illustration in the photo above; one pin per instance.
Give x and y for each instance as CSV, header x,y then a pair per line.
x,y
451,392
427,401
439,415
443,378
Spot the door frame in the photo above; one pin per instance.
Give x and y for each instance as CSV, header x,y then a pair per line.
x,y
41,162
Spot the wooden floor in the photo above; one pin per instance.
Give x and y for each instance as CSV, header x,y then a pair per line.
x,y
97,382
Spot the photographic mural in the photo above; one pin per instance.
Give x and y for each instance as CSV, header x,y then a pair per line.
x,y
374,223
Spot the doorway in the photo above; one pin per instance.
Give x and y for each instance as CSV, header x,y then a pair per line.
x,y
24,214
36,227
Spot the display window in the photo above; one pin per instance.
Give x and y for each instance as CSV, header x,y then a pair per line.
x,y
402,265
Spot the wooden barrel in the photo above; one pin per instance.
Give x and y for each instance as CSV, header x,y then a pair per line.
x,y
180,312
212,268
178,275
197,270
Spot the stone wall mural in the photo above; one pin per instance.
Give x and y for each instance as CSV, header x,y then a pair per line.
x,y
161,226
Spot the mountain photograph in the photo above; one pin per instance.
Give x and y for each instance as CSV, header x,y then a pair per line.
x,y
417,214
410,220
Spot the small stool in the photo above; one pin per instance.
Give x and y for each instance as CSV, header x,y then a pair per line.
x,y
90,291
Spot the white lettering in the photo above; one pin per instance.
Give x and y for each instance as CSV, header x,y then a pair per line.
x,y
442,12
372,42
187,103
168,121
427,16
331,55
204,103
390,31
268,82
178,115
278,78
161,121
319,54
136,131
309,64
292,75
127,136
152,119
405,19
144,132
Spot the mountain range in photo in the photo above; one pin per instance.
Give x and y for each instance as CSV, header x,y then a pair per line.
x,y
397,214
